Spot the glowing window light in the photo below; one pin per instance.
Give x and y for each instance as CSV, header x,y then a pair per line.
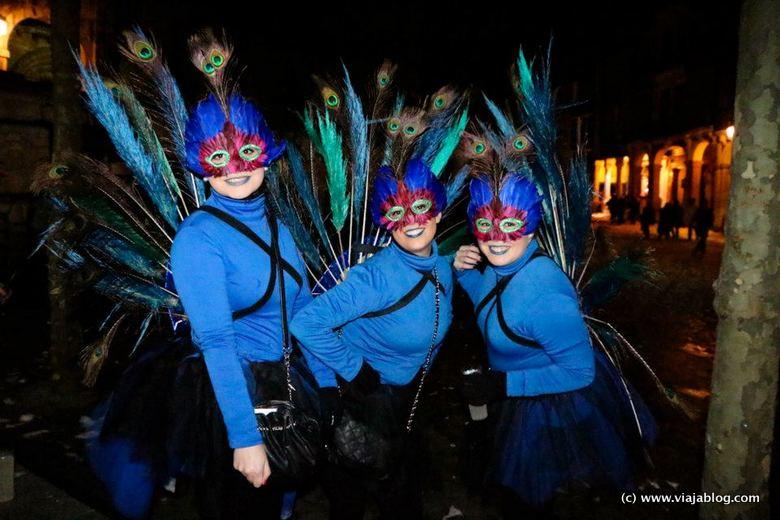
x,y
3,27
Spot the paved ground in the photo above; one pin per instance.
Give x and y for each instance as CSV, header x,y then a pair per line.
x,y
670,321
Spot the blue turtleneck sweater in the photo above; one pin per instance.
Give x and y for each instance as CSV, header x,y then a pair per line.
x,y
217,270
395,344
540,304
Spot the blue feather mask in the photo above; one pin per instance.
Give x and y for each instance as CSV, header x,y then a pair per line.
x,y
220,143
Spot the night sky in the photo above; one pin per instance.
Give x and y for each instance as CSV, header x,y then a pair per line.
x,y
466,44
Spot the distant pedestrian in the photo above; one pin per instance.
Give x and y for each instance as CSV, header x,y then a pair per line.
x,y
689,212
665,221
703,221
677,218
632,203
646,219
612,207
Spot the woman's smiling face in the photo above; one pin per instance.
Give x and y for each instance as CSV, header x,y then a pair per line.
x,y
504,252
238,185
417,238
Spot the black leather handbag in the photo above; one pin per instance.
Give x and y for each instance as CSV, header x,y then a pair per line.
x,y
291,436
369,438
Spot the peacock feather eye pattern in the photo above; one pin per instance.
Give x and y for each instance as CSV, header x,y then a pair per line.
x,y
331,98
410,130
439,102
521,143
395,213
250,152
218,158
393,125
479,148
217,58
208,68
510,225
57,172
382,79
144,50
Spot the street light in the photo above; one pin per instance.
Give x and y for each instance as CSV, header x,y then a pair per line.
x,y
730,132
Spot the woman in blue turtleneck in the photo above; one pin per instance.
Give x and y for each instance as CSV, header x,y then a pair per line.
x,y
561,414
376,329
231,298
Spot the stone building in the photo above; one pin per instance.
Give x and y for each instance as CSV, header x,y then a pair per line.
x,y
25,97
694,165
651,95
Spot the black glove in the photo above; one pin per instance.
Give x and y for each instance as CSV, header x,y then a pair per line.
x,y
330,406
484,387
363,384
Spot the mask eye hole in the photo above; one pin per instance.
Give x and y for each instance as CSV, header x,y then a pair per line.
x,y
395,213
250,152
510,225
484,225
421,206
218,158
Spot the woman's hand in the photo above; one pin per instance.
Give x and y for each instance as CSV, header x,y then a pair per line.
x,y
467,257
252,462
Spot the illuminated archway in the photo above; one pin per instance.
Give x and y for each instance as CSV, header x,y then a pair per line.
x,y
670,170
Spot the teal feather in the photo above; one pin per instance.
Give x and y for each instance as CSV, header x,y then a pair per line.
x,y
305,190
115,121
148,138
449,144
505,126
336,168
104,244
358,137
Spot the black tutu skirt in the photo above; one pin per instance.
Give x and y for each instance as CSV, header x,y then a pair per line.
x,y
163,421
596,436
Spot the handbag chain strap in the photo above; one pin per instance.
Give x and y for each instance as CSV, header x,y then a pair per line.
x,y
283,298
429,356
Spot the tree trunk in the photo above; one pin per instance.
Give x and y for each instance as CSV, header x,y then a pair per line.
x,y
65,332
745,377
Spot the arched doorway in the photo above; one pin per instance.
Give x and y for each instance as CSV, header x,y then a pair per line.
x,y
670,175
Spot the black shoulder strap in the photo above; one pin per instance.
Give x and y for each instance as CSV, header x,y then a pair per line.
x,y
407,298
496,293
503,282
242,228
268,249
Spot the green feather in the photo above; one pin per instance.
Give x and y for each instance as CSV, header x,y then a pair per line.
x,y
104,213
449,144
333,155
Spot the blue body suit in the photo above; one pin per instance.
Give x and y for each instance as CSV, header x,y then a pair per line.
x,y
217,271
540,304
394,344
569,416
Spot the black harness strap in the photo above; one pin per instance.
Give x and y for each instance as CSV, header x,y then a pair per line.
x,y
251,235
407,298
496,292
268,249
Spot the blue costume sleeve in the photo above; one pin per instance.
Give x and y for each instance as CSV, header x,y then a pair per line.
x,y
559,327
469,280
199,275
325,376
315,326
